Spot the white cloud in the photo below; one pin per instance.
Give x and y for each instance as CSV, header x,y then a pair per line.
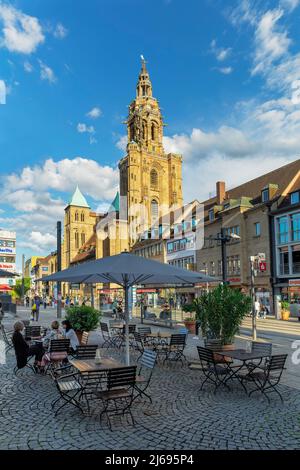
x,y
46,73
271,43
225,70
3,92
221,53
122,143
37,196
60,32
28,67
199,178
20,32
83,128
94,113
290,5
99,182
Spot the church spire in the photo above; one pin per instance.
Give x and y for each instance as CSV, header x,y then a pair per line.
x,y
144,85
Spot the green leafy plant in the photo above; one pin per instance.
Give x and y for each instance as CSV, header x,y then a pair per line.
x,y
83,318
17,289
221,312
188,308
285,305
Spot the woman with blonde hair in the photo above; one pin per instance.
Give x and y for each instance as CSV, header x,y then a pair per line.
x,y
23,350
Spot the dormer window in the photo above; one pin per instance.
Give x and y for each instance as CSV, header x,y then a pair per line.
x,y
265,195
211,215
295,197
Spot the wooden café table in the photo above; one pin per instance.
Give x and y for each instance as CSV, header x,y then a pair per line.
x,y
89,365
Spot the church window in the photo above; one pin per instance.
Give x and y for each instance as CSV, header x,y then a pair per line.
x,y
154,210
82,238
153,131
131,132
82,217
76,216
154,179
76,240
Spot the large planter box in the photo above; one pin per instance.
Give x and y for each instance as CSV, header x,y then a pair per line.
x,y
285,315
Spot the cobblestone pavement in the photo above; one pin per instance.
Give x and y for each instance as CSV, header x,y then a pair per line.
x,y
181,416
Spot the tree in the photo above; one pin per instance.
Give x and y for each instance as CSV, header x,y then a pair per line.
x,y
17,289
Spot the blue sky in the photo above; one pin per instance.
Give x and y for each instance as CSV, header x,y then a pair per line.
x,y
227,75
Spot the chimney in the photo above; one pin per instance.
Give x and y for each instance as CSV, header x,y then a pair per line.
x,y
221,191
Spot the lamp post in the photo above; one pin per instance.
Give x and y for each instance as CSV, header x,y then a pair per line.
x,y
224,238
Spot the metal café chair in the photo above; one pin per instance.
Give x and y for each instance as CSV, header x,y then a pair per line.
x,y
174,350
119,395
213,372
109,340
85,352
33,332
144,374
7,338
69,389
267,379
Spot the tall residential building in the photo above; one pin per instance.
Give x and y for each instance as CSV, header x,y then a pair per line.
x,y
7,258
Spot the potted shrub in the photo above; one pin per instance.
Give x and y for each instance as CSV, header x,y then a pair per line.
x,y
83,318
220,313
285,310
189,322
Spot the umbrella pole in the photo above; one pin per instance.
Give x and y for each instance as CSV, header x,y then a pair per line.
x,y
126,290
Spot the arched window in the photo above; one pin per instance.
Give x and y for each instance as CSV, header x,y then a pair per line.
x,y
76,216
153,131
131,132
76,240
144,130
154,210
82,217
153,179
82,238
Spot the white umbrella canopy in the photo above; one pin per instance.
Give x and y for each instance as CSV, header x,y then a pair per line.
x,y
128,270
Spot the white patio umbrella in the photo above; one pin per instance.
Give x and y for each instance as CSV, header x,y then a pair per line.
x,y
128,270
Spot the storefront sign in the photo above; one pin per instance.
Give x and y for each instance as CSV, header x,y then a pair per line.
x,y
7,251
8,266
146,291
75,286
294,282
262,266
234,279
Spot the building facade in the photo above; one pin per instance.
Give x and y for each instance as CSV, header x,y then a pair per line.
x,y
245,213
7,258
150,179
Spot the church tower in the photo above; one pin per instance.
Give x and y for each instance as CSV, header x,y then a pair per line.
x,y
148,176
78,226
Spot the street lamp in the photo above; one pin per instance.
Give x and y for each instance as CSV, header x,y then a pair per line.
x,y
224,238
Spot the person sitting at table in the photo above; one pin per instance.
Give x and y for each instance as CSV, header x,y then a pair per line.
x,y
23,350
54,333
70,334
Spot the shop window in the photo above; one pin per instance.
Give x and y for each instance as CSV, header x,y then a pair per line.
x,y
296,259
283,230
295,226
283,261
